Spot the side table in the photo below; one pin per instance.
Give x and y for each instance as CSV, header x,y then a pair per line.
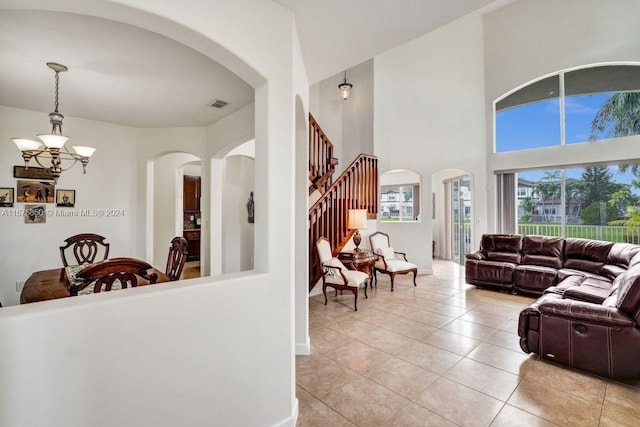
x,y
362,260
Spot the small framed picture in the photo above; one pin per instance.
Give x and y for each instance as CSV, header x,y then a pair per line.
x,y
6,197
35,214
65,198
35,191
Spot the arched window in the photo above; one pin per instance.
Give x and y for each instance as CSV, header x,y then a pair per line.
x,y
580,105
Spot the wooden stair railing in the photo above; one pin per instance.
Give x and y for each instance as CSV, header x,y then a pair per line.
x,y
322,164
355,188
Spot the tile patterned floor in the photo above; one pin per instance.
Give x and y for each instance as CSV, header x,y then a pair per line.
x,y
442,354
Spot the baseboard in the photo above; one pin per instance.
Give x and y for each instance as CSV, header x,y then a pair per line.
x,y
304,349
292,420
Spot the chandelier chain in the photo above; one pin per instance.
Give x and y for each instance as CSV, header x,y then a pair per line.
x,y
57,79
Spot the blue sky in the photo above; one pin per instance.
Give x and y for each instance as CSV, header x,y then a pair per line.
x,y
538,125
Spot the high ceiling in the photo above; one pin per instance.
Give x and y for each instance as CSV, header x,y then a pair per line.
x,y
338,34
123,74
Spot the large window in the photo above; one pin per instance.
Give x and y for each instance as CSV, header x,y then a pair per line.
x,y
596,202
399,203
590,104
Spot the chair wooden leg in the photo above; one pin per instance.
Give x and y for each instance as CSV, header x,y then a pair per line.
x,y
393,276
355,298
324,291
365,289
415,273
375,276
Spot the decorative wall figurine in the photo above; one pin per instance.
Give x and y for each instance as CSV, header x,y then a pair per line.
x,y
250,206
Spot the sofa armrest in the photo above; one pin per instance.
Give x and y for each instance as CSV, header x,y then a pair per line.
x,y
476,255
586,312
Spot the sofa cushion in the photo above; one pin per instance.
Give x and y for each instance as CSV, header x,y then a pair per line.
x,y
627,288
502,247
542,250
489,272
585,254
564,284
621,254
590,290
534,278
504,256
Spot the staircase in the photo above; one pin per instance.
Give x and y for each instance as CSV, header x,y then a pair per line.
x,y
355,188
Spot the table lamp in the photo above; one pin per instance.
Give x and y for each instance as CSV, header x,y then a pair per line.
x,y
357,221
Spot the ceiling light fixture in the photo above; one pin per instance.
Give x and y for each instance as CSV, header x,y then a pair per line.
x,y
54,148
345,88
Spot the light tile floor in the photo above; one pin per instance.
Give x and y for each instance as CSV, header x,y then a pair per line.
x,y
443,353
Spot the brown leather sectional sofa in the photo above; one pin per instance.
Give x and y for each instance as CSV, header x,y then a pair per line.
x,y
589,312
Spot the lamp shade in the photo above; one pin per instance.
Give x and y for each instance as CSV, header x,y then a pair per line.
x,y
27,144
53,141
84,151
357,219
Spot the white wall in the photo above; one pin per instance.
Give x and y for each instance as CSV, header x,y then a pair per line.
x,y
237,233
430,115
164,344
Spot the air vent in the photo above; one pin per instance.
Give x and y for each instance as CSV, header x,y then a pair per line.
x,y
218,104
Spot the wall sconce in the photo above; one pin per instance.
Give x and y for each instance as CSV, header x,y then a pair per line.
x,y
357,221
345,88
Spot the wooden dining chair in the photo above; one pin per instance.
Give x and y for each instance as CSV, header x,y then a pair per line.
x,y
85,248
178,252
121,272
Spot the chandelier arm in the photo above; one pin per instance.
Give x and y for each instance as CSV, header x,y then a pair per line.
x,y
63,156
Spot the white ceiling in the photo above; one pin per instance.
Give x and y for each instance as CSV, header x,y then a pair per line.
x,y
118,73
338,34
123,74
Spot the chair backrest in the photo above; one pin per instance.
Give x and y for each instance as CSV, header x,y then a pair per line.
x,y
178,252
324,250
85,248
378,240
107,272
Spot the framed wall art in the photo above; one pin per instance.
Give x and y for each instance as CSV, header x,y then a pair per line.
x,y
6,197
35,214
35,191
65,198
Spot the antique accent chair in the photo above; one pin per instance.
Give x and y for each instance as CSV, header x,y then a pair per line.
x,y
337,276
121,272
85,248
387,262
178,252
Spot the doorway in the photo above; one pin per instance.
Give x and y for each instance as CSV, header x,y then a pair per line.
x,y
460,217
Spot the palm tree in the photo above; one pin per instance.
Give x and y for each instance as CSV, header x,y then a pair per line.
x,y
618,116
548,187
528,205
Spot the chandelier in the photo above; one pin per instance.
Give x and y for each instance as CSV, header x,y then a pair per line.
x,y
54,148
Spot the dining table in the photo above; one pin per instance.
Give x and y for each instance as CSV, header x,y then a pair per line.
x,y
53,284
